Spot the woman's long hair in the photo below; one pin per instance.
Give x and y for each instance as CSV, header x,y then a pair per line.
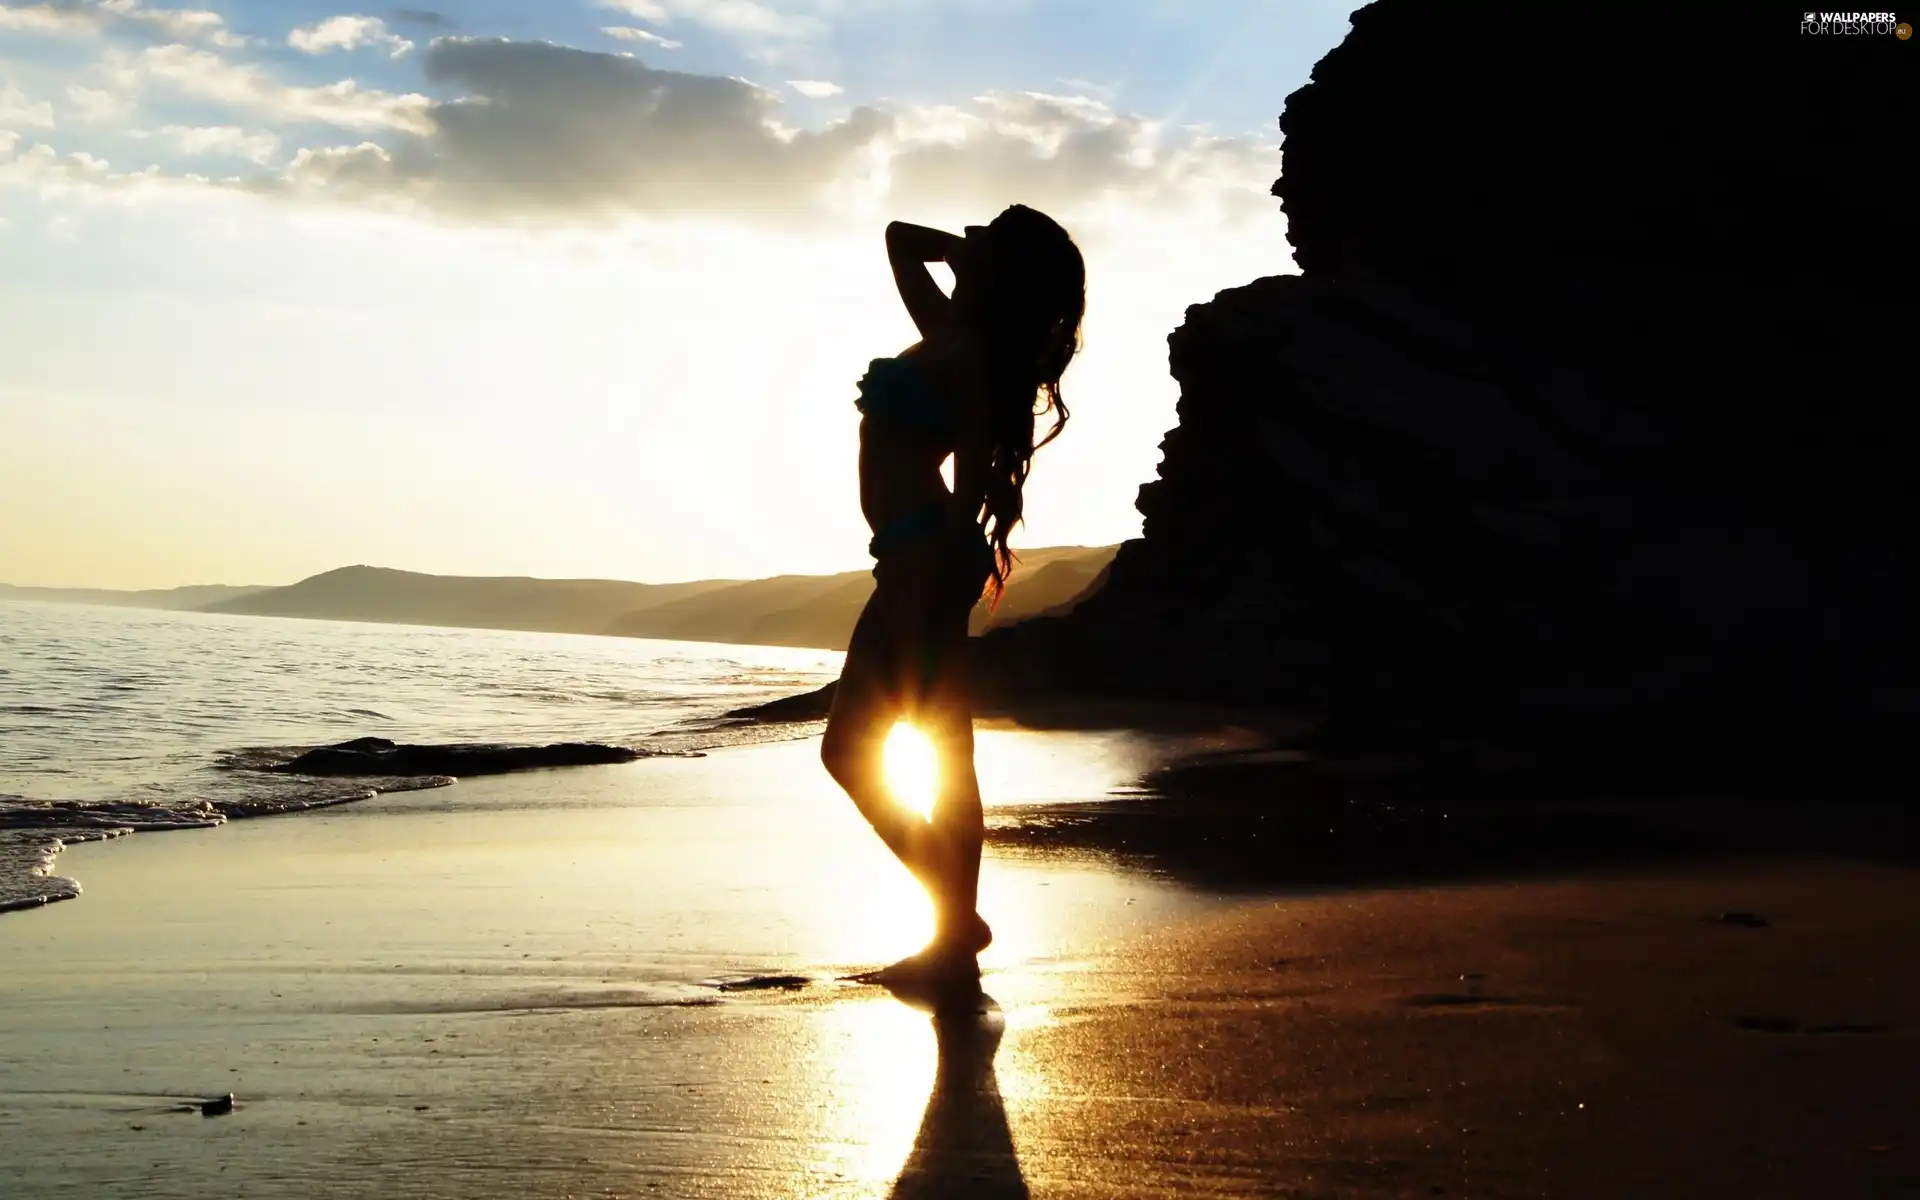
x,y
1029,319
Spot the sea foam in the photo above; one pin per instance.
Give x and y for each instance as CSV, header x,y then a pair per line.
x,y
31,834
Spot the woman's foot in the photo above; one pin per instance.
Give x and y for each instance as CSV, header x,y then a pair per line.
x,y
967,936
934,968
971,937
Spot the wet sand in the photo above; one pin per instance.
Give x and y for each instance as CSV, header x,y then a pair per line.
x,y
508,988
1602,1038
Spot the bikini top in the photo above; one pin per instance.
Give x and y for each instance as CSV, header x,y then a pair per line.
x,y
897,390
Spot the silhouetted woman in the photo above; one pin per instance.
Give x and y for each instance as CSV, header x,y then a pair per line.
x,y
987,365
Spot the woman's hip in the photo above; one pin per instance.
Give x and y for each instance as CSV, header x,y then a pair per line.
x,y
934,561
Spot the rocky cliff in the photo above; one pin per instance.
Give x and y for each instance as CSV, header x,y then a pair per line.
x,y
1592,395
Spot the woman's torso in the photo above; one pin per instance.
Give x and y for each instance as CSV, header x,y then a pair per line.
x,y
911,426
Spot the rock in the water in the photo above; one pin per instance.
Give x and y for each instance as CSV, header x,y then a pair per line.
x,y
806,706
763,983
378,756
1592,398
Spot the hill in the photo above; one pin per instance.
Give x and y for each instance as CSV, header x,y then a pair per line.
x,y
819,610
787,610
179,599
382,594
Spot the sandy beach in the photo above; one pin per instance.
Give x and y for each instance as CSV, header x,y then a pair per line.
x,y
1600,1037
510,987
467,993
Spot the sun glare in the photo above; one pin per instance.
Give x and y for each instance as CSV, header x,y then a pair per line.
x,y
912,768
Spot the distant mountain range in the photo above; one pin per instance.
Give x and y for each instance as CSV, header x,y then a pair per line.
x,y
787,610
195,596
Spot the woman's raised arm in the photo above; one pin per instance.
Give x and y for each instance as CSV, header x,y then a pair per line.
x,y
909,249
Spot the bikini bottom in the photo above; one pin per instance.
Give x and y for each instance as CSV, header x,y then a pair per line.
x,y
925,522
927,576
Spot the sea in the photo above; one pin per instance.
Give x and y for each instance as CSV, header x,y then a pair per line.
x,y
119,720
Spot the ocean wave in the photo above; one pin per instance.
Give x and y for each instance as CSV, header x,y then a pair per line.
x,y
19,813
574,695
26,865
33,832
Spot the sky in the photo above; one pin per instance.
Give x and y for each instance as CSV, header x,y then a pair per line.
x,y
575,288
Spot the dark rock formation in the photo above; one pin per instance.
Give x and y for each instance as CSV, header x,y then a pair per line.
x,y
1592,398
378,756
805,706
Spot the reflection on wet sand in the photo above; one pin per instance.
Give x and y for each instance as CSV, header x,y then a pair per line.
x,y
964,1146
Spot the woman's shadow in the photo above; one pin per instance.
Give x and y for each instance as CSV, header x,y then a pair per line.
x,y
964,1147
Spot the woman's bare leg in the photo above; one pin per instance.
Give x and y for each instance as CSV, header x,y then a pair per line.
x,y
905,662
958,824
866,702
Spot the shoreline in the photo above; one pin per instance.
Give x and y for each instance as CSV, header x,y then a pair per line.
x,y
1180,732
41,843
1228,797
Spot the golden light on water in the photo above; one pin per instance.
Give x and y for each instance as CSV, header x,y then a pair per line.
x,y
913,768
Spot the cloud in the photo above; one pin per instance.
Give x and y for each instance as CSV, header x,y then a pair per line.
x,y
815,89
179,24
96,107
646,10
547,131
628,33
47,19
42,167
92,18
17,111
535,133
425,18
741,18
1066,152
1087,87
365,171
348,32
225,140
249,89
